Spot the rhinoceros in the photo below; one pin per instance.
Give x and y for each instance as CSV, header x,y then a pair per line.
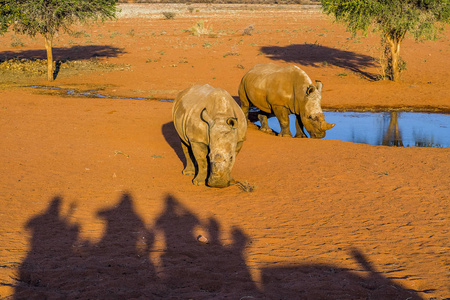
x,y
284,91
212,127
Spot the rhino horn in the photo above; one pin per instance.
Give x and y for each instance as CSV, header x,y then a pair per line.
x,y
326,126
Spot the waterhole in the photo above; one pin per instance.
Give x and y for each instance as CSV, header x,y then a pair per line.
x,y
396,128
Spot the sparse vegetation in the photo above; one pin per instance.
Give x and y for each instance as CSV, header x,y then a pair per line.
x,y
16,42
249,30
11,68
168,15
245,186
201,29
114,34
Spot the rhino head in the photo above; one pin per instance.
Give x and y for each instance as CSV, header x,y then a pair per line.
x,y
311,114
223,138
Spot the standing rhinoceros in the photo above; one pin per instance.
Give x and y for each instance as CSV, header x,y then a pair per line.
x,y
284,91
209,123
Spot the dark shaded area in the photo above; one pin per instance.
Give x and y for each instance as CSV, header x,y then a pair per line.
x,y
171,136
316,55
59,265
66,53
316,281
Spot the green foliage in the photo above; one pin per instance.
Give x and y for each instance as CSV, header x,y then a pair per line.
x,y
46,17
7,14
423,18
393,18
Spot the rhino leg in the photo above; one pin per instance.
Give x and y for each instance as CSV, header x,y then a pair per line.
x,y
262,117
200,152
299,128
282,114
245,103
190,168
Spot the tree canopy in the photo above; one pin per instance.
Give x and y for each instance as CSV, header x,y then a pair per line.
x,y
424,19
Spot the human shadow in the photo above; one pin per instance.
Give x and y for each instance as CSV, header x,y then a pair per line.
x,y
61,265
319,281
316,55
209,269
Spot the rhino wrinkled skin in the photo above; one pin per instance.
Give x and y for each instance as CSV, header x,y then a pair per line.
x,y
284,91
212,128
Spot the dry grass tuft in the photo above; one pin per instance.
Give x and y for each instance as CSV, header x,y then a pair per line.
x,y
245,186
201,29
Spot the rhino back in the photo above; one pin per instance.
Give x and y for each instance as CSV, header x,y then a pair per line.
x,y
189,105
269,84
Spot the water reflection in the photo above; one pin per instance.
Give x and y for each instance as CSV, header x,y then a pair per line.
x,y
400,129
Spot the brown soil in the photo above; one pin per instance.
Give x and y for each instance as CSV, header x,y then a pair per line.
x,y
94,205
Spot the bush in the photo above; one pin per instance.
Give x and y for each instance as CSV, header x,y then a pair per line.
x,y
200,29
169,15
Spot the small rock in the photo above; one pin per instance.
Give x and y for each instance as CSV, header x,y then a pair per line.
x,y
202,239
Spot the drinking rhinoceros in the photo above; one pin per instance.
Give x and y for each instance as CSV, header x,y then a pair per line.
x,y
211,125
284,91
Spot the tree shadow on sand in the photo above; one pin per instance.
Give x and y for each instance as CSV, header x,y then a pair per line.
x,y
59,265
66,53
316,55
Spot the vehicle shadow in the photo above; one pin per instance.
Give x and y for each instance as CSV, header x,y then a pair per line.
x,y
316,55
62,265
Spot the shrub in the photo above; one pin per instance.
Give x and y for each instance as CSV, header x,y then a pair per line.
x,y
200,29
249,30
169,15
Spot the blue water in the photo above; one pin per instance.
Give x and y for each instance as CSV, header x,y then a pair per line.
x,y
414,129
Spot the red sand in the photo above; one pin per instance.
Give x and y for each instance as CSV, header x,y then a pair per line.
x,y
94,204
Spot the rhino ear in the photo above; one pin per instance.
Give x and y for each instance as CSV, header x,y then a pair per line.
x,y
206,117
319,85
232,122
310,90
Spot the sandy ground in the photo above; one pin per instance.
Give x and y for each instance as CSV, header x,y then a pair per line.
x,y
94,205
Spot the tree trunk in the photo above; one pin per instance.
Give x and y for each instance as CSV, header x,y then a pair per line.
x,y
394,41
48,47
